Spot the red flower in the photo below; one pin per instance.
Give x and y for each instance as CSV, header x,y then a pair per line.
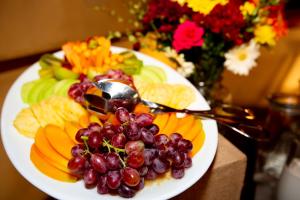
x,y
226,20
187,35
165,14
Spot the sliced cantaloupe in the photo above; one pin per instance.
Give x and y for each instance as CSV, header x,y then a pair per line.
x,y
161,120
193,131
71,129
84,120
46,168
141,108
48,151
198,142
171,125
185,124
59,140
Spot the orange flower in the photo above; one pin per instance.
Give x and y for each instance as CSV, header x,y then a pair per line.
x,y
280,26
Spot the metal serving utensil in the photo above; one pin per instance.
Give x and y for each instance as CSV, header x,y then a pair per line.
x,y
114,91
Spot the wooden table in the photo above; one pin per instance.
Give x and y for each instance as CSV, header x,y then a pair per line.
x,y
224,179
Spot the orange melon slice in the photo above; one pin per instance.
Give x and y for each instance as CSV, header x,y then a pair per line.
x,y
161,120
71,129
59,140
198,142
48,151
44,166
171,124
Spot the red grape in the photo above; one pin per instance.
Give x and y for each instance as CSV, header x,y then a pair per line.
x,y
95,140
101,185
135,159
141,184
146,136
163,153
77,164
160,140
77,150
108,130
125,191
144,119
77,91
132,131
130,176
178,160
187,161
82,132
122,114
98,162
153,128
90,178
184,145
95,127
112,161
160,166
113,180
149,155
151,174
177,173
118,140
170,148
175,137
137,145
143,170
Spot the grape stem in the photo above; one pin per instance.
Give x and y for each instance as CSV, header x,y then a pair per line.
x,y
85,138
116,149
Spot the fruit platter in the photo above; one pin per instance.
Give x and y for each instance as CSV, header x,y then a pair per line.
x,y
69,152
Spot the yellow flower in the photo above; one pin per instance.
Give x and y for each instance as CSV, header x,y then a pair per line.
x,y
204,6
264,34
180,2
247,9
149,41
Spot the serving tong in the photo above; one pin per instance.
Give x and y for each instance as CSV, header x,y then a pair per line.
x,y
118,92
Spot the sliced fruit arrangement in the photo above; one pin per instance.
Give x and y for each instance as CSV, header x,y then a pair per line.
x,y
54,110
116,151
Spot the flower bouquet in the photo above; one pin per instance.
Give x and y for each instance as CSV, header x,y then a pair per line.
x,y
202,37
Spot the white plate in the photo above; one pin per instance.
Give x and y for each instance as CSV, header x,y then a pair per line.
x,y
18,146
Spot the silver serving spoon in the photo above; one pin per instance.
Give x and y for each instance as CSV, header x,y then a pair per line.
x,y
116,92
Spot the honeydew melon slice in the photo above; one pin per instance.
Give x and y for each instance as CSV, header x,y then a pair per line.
x,y
61,88
39,87
26,88
47,87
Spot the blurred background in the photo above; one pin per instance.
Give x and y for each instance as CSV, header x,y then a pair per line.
x,y
32,27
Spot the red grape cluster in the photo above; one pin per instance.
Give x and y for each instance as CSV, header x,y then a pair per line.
x,y
77,90
117,159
